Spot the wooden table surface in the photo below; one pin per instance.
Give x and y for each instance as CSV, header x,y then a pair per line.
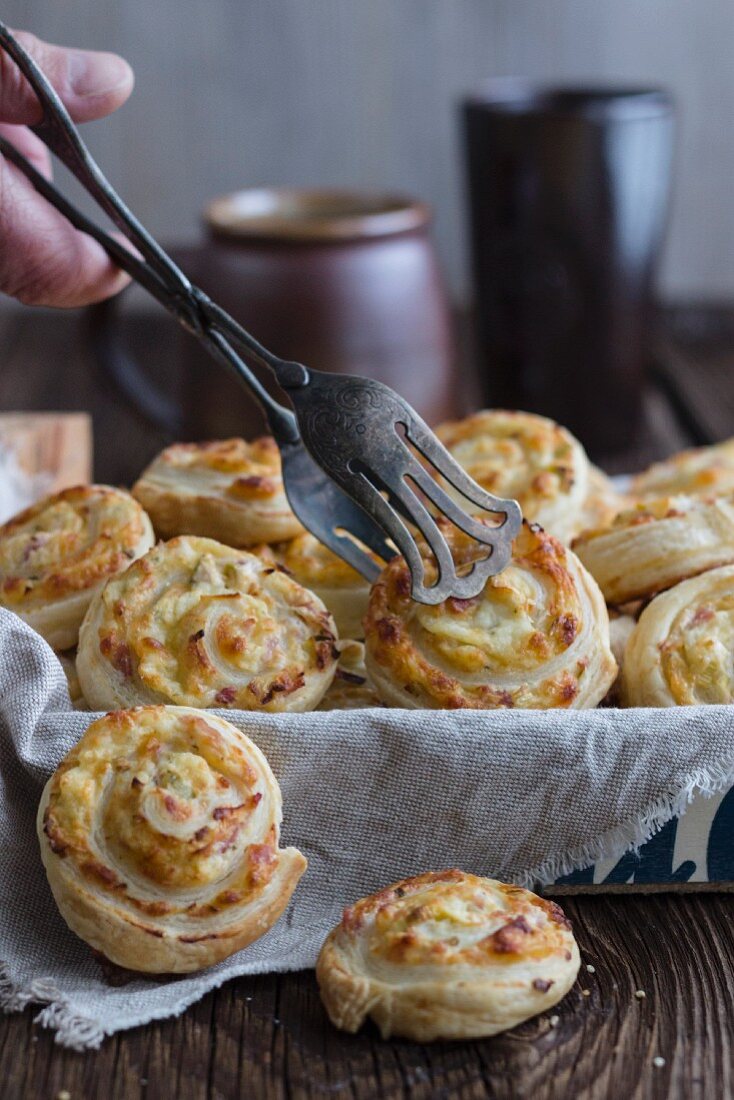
x,y
268,1036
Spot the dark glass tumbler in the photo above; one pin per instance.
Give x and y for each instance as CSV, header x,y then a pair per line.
x,y
568,192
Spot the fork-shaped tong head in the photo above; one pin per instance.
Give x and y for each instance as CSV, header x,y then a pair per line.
x,y
382,453
356,476
377,449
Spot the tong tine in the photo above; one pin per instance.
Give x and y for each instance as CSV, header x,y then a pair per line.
x,y
389,518
306,483
446,465
469,524
467,585
57,131
352,554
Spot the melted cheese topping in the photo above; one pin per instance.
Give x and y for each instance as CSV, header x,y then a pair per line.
x,y
168,813
197,623
702,471
452,919
69,543
532,637
525,457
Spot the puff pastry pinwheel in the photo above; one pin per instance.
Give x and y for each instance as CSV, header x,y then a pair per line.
x,y
536,636
350,688
701,471
56,554
656,544
200,624
317,568
228,490
680,652
159,834
525,457
446,955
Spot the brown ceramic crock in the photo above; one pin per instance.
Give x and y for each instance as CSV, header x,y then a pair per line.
x,y
338,280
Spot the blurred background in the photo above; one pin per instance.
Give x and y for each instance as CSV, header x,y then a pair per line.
x,y
350,93
366,95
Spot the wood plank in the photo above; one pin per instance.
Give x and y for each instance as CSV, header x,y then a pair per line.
x,y
696,363
268,1037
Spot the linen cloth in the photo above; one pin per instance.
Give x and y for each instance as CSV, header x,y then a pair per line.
x,y
369,797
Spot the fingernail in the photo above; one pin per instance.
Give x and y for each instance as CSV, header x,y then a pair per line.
x,y
92,73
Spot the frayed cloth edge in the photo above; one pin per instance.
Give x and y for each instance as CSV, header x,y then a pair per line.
x,y
79,1032
72,1030
631,835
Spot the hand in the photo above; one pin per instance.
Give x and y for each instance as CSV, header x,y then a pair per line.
x,y
43,259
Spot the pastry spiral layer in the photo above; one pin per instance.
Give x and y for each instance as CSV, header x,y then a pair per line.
x,y
199,624
446,955
680,652
350,688
525,457
159,834
317,568
228,490
56,554
536,636
656,544
701,471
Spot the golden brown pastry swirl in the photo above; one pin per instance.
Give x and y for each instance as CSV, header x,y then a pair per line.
x,y
446,955
199,624
536,636
680,652
56,554
656,544
701,471
525,457
159,833
226,489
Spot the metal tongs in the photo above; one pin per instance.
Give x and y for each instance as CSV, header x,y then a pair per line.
x,y
356,456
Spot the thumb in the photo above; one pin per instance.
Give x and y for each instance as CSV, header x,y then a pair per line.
x,y
91,84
